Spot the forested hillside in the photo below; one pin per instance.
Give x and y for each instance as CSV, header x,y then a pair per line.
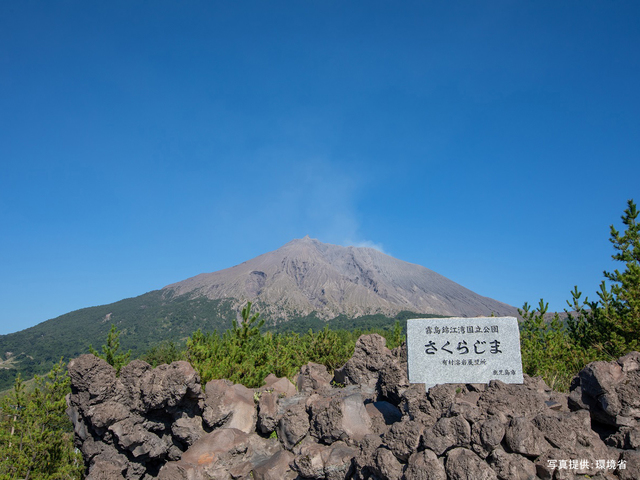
x,y
144,321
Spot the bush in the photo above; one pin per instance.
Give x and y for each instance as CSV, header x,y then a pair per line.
x,y
547,348
165,352
243,355
110,351
36,436
611,325
604,329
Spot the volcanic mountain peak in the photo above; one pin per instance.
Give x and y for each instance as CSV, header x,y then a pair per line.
x,y
306,275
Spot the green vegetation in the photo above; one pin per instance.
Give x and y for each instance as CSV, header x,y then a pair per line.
x,y
604,329
165,352
302,325
110,350
36,436
36,439
243,355
148,325
144,322
611,325
547,348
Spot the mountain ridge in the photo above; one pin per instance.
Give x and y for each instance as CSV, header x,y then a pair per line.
x,y
305,284
306,275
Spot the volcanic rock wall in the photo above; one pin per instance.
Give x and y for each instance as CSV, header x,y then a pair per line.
x,y
159,423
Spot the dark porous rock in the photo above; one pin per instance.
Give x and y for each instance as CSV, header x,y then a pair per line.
x,y
276,467
268,412
536,384
80,428
487,434
544,469
229,406
403,438
318,461
364,366
446,433
442,397
630,363
513,400
93,381
309,460
312,377
279,385
95,450
106,414
338,463
108,464
510,466
415,404
387,465
107,470
463,464
595,390
341,416
571,432
364,460
176,471
383,415
523,437
131,376
223,453
293,424
555,464
625,438
374,365
142,444
393,380
400,353
609,390
187,429
168,385
466,406
631,462
425,465
158,423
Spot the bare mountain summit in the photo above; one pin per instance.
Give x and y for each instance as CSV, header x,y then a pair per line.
x,y
306,276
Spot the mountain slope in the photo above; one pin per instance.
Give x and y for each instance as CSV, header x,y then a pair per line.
x,y
306,276
143,321
304,284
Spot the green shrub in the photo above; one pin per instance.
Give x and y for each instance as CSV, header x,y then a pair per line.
x,y
165,352
110,351
611,324
36,436
604,329
547,348
243,355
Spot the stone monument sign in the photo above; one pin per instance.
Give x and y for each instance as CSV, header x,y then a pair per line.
x,y
464,350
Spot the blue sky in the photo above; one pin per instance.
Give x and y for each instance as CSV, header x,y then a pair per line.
x,y
145,142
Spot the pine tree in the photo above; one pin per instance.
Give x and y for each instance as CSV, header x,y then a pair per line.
x,y
110,351
547,348
36,439
250,327
625,292
611,325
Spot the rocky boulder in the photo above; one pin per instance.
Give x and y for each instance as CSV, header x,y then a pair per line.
x,y
365,423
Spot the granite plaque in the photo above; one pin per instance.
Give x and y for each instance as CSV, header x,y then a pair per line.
x,y
463,350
